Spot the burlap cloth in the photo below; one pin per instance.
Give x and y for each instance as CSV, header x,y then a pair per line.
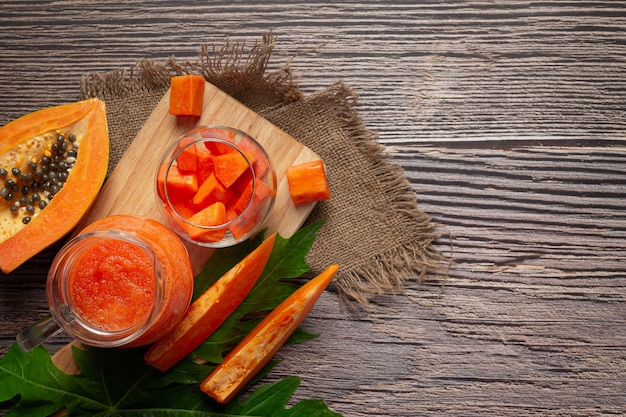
x,y
374,228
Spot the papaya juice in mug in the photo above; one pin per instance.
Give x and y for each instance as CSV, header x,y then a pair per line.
x,y
122,281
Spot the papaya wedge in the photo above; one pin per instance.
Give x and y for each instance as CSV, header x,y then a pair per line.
x,y
211,309
261,344
52,165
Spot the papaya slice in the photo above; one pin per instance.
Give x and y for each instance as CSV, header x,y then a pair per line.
x,y
213,215
230,166
259,346
52,165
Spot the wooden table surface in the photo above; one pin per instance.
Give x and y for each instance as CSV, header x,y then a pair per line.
x,y
510,120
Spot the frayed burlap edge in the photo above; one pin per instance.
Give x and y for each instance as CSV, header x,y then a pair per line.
x,y
235,67
239,69
243,73
413,255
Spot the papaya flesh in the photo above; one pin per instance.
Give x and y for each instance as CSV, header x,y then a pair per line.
x,y
52,165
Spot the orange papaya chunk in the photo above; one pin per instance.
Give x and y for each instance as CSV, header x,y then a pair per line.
x,y
229,167
24,143
187,159
242,225
186,95
260,162
308,182
218,147
180,185
213,215
243,221
205,164
211,191
242,183
184,207
261,192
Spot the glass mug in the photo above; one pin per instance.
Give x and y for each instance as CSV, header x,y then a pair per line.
x,y
123,281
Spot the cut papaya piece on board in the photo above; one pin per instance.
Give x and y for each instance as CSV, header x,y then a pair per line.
x,y
52,165
186,95
308,182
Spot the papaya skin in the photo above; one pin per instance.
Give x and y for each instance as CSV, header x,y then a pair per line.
x,y
88,119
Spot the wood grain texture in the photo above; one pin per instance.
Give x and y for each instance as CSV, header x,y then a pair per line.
x,y
509,119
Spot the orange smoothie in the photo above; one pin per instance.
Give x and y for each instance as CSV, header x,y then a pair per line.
x,y
111,284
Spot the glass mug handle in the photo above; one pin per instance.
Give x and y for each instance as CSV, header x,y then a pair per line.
x,y
38,333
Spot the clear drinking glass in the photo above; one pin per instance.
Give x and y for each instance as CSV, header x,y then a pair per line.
x,y
215,186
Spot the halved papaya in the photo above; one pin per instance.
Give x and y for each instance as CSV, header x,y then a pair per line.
x,y
52,165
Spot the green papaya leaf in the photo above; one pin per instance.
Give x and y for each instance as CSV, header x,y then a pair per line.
x,y
274,396
41,387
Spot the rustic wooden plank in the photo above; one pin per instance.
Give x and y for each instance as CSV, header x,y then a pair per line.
x,y
425,71
530,320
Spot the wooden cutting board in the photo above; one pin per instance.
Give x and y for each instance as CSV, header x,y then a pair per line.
x,y
130,189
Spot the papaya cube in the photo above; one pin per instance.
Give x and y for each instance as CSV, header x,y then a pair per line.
x,y
186,95
261,192
217,147
187,159
210,191
229,167
184,208
308,182
260,163
179,185
205,164
243,224
213,215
